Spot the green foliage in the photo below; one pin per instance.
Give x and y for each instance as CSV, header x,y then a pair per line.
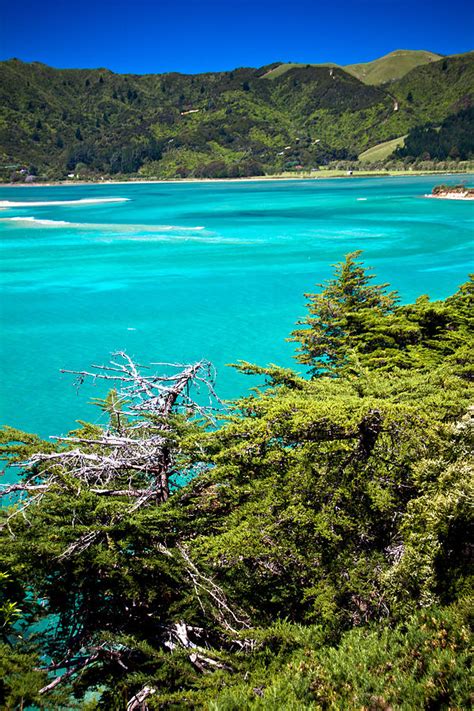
x,y
454,139
19,679
339,315
418,665
177,125
437,90
309,483
20,673
320,559
352,323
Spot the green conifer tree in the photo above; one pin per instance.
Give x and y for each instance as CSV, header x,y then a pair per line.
x,y
337,316
326,513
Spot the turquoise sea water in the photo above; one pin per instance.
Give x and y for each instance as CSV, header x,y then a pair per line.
x,y
178,272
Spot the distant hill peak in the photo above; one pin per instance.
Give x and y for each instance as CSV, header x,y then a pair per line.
x,y
411,52
390,67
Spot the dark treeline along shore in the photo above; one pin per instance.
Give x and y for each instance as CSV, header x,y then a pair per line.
x,y
308,549
408,109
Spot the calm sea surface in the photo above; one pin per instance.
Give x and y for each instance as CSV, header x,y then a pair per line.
x,y
179,272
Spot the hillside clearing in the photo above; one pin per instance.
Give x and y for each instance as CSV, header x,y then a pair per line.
x,y
285,67
392,66
381,150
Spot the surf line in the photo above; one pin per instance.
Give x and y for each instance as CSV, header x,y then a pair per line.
x,y
51,203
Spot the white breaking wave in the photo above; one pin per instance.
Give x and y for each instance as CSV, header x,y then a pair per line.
x,y
35,220
105,227
107,233
121,230
49,203
166,228
359,199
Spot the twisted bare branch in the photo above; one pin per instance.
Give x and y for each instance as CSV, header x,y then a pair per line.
x,y
134,456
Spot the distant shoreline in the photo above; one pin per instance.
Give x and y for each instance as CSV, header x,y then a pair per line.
x,y
452,192
451,196
323,175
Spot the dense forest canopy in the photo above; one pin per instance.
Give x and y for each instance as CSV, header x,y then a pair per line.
x,y
225,124
309,548
452,140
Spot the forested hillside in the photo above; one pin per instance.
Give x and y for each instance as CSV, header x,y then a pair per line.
x,y
453,139
94,122
318,557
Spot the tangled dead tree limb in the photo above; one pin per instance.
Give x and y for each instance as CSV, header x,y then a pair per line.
x,y
137,454
132,459
232,620
137,702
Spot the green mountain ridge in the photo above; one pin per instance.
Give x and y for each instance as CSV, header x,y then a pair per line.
x,y
390,67
215,124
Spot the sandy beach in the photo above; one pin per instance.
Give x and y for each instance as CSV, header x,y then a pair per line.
x,y
322,175
453,196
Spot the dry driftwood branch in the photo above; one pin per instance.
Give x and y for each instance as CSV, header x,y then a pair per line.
x,y
206,664
179,636
79,664
137,702
63,677
12,488
199,657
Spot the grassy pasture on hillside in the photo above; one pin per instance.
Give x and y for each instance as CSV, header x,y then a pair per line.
x,y
393,66
388,68
286,66
381,150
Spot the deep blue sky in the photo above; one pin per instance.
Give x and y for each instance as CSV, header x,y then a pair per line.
x,y
140,36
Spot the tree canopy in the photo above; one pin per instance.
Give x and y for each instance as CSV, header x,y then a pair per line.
x,y
354,321
339,315
307,546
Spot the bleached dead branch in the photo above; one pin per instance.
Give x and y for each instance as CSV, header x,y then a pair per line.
x,y
230,620
136,455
